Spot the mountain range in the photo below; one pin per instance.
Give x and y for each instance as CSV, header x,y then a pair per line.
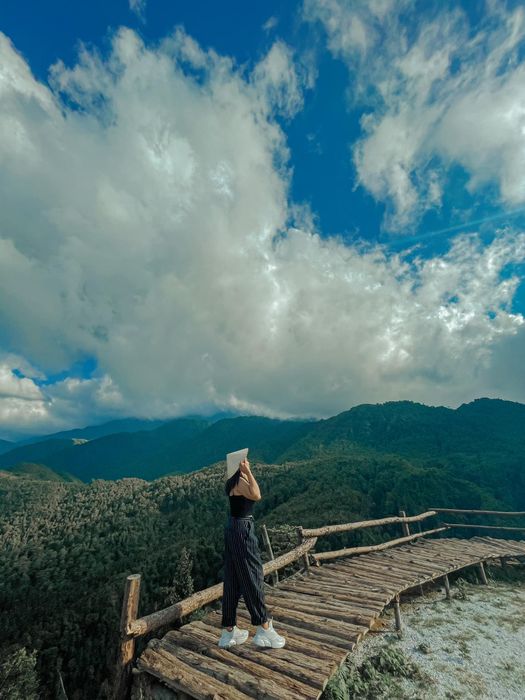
x,y
482,429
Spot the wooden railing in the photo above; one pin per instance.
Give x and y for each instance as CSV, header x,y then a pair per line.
x,y
403,519
133,627
474,526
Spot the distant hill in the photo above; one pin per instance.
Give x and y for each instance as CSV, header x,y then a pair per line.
x,y
5,446
91,432
38,472
412,429
38,453
122,425
182,445
145,454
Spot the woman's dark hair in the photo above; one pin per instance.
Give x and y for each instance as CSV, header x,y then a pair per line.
x,y
232,481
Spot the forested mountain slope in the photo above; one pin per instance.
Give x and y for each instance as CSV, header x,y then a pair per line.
x,y
482,432
30,470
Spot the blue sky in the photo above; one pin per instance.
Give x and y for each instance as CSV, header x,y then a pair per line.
x,y
367,175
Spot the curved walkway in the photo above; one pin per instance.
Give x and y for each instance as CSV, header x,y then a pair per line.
x,y
323,613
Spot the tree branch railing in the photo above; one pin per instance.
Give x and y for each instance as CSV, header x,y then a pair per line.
x,y
474,526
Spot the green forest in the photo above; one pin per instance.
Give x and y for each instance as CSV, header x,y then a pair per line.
x,y
67,546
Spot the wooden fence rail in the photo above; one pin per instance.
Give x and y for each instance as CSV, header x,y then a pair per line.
x,y
480,512
346,527
474,526
485,527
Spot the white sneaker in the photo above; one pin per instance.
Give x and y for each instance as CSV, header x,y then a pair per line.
x,y
269,637
236,636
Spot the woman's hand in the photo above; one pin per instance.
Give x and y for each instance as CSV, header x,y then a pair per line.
x,y
244,467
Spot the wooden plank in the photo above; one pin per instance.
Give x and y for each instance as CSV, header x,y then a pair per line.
x,y
180,677
403,570
317,650
328,580
341,591
303,598
244,658
431,572
398,580
418,566
342,577
345,597
354,604
304,633
205,640
423,555
328,574
322,612
382,571
405,558
448,548
310,685
333,612
344,601
387,578
503,545
315,622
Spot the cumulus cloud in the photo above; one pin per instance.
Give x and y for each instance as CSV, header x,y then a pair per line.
x,y
145,221
21,401
440,93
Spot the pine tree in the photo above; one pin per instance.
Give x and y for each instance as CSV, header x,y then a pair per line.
x,y
18,676
182,583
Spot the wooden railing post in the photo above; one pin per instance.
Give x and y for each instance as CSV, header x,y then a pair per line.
x,y
405,525
447,587
269,549
130,607
482,573
300,539
397,615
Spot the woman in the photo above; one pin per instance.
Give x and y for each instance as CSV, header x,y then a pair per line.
x,y
243,568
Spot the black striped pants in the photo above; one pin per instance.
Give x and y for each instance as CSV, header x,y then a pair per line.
x,y
243,572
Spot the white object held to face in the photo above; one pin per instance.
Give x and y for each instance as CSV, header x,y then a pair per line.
x,y
233,459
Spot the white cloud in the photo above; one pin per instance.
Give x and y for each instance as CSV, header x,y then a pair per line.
x,y
276,84
441,93
144,220
270,23
138,7
22,404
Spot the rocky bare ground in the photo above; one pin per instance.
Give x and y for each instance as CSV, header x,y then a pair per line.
x,y
472,646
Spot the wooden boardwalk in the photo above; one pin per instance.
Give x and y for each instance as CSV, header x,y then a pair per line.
x,y
323,612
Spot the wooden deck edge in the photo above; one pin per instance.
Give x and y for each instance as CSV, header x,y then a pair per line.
x,y
490,557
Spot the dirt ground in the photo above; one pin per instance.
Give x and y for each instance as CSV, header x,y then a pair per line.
x,y
472,646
